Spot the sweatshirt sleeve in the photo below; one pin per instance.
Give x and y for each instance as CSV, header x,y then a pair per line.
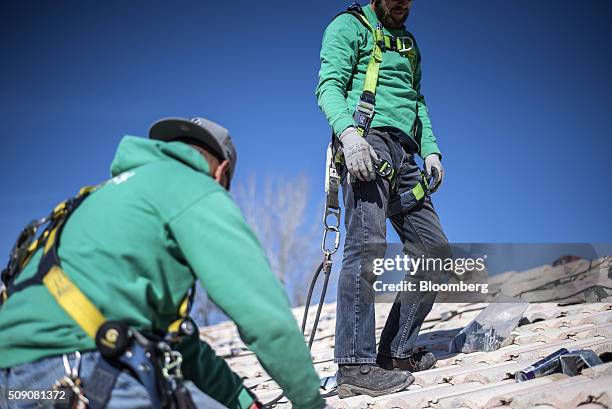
x,y
428,142
339,52
227,258
211,374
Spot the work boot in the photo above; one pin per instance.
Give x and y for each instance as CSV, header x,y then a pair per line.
x,y
371,380
419,361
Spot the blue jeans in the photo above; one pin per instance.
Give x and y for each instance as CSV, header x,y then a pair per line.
x,y
367,206
128,393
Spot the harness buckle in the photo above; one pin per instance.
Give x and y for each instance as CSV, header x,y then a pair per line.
x,y
383,168
364,112
405,44
386,171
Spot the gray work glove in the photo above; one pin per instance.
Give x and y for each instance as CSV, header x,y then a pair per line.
x,y
434,172
358,154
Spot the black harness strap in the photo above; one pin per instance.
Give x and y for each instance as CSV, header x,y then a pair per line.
x,y
101,383
55,223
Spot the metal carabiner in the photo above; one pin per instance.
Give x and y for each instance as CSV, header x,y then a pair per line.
x,y
326,250
72,371
335,228
171,368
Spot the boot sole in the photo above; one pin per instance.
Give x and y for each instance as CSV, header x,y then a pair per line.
x,y
347,391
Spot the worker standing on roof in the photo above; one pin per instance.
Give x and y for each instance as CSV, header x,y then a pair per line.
x,y
370,91
103,315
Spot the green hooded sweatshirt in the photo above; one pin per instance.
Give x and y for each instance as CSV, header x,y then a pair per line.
x,y
135,247
345,54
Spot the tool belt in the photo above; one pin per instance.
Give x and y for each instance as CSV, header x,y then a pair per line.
x,y
149,359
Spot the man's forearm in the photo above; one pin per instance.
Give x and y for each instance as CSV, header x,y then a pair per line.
x,y
238,279
210,373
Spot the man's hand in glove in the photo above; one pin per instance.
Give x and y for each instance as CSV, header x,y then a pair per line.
x,y
358,154
434,172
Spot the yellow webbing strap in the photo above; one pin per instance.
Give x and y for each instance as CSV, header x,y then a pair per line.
x,y
59,209
371,77
85,190
71,298
64,291
418,191
73,301
32,249
175,326
183,313
51,239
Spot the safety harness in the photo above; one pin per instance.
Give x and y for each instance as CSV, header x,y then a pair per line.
x,y
364,112
365,109
149,358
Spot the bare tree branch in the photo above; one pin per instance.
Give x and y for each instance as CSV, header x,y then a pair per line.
x,y
276,209
277,214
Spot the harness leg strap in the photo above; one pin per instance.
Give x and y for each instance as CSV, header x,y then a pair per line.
x,y
408,199
100,384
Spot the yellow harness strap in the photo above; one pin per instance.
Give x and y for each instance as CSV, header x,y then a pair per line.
x,y
66,293
73,301
183,313
389,42
371,78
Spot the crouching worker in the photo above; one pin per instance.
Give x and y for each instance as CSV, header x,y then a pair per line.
x,y
94,309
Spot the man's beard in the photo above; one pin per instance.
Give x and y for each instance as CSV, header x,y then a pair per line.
x,y
386,18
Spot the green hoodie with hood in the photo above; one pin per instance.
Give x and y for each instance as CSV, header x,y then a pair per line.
x,y
135,247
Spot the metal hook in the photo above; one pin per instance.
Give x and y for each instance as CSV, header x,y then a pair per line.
x,y
72,371
67,368
77,365
336,231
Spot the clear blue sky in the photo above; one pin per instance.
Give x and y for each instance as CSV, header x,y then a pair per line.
x,y
519,94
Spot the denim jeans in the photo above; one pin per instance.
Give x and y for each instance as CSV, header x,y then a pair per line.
x,y
128,393
367,206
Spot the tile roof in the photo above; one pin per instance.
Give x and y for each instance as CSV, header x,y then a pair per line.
x,y
474,380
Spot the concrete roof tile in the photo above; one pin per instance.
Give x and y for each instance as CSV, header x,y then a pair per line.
x,y
475,380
